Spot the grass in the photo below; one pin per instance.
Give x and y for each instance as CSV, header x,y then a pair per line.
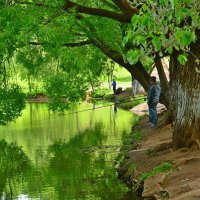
x,y
124,79
131,104
163,167
137,136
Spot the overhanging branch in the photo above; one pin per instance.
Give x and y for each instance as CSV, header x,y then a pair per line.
x,y
126,7
72,44
121,17
78,44
137,71
97,12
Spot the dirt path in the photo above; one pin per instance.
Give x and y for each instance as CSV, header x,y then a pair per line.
x,y
180,183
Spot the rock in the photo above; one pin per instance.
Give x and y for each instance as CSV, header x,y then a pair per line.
x,y
142,109
153,185
119,90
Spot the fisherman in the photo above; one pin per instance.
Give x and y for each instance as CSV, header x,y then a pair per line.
x,y
152,101
114,84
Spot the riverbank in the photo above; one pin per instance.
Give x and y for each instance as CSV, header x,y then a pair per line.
x,y
158,171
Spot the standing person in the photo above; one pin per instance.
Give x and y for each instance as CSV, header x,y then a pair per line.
x,y
114,84
153,99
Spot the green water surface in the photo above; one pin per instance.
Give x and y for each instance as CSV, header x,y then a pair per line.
x,y
71,155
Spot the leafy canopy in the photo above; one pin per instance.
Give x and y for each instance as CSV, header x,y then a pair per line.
x,y
161,27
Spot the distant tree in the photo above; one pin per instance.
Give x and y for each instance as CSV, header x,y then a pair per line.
x,y
12,102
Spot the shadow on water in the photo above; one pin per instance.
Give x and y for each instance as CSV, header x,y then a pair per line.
x,y
13,164
85,167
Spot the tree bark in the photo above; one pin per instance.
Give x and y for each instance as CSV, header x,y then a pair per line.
x,y
136,87
121,17
126,7
163,81
186,81
174,65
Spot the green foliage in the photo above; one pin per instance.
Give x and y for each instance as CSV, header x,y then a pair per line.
x,y
161,27
163,167
12,158
108,97
31,58
126,105
34,34
130,169
100,92
12,102
133,56
137,136
64,88
182,58
131,103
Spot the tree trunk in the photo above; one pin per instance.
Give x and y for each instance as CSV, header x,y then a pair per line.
x,y
163,82
5,76
136,87
173,72
29,85
187,102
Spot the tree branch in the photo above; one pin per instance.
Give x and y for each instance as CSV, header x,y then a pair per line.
x,y
72,44
36,43
126,7
97,12
121,17
109,4
137,71
28,3
78,44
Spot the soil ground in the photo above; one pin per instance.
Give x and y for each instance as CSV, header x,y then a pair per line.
x,y
155,147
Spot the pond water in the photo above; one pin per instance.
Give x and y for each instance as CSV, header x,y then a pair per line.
x,y
50,156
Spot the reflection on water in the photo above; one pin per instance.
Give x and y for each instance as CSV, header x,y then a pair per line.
x,y
45,155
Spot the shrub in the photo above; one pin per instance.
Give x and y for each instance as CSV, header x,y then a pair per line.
x,y
100,92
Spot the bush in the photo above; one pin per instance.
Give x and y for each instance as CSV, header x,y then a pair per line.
x,y
108,97
126,105
100,92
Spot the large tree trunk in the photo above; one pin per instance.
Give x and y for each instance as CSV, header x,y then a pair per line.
x,y
173,66
136,87
187,102
165,90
